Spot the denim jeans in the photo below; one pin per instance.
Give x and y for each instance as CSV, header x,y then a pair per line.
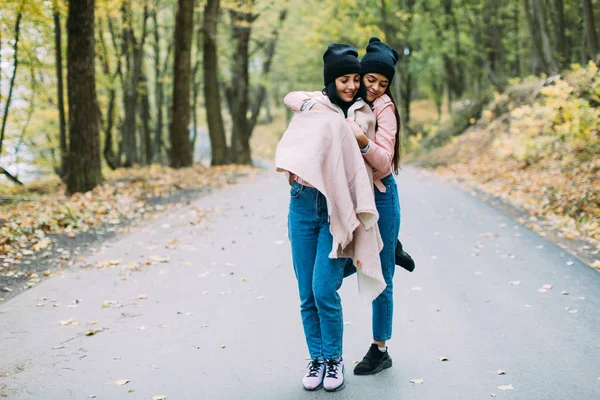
x,y
319,277
388,206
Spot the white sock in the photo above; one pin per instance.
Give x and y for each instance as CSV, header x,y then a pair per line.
x,y
382,349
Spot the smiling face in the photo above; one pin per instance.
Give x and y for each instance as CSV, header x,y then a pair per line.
x,y
375,85
347,86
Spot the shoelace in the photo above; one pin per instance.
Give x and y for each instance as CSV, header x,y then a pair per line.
x,y
313,369
332,368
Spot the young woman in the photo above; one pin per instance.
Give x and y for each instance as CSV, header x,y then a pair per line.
x,y
319,277
383,155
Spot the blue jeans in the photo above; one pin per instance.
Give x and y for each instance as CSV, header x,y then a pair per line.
x,y
388,206
319,277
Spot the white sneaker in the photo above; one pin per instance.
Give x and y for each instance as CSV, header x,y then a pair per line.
x,y
334,375
313,379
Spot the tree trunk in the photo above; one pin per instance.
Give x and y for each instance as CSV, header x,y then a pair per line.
x,y
493,42
134,72
13,77
561,38
181,149
262,91
542,57
196,79
159,95
241,19
146,118
212,94
61,92
517,44
109,156
591,36
84,171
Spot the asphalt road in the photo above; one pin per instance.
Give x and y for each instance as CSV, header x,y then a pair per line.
x,y
202,304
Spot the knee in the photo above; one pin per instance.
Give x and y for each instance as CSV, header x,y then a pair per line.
x,y
325,298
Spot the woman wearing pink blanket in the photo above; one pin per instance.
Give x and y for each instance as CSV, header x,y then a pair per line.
x,y
383,154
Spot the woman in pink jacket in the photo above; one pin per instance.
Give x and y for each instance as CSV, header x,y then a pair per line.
x,y
383,154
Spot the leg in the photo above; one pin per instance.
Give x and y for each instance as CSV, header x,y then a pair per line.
x,y
327,279
303,235
383,305
377,360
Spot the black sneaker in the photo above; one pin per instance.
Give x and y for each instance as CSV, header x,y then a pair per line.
x,y
375,361
404,259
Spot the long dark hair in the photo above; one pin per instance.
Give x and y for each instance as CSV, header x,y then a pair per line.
x,y
398,147
331,92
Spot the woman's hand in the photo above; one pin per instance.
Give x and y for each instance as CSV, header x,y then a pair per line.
x,y
360,136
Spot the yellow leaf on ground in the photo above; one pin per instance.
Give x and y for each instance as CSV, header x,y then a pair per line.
x,y
122,382
506,387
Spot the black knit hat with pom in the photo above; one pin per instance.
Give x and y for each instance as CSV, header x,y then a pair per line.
x,y
380,58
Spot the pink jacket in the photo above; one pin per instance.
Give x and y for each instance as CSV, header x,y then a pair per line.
x,y
320,148
383,144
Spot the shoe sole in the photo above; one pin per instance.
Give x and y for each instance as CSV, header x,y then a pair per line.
x,y
381,367
312,390
337,389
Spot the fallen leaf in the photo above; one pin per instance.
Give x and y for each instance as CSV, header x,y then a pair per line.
x,y
500,372
122,382
572,311
91,396
541,290
141,297
443,358
492,394
596,264
569,263
222,346
564,293
547,286
515,283
131,390
161,397
163,326
506,387
141,328
356,362
417,381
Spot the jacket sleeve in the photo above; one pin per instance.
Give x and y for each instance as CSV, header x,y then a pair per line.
x,y
300,101
381,151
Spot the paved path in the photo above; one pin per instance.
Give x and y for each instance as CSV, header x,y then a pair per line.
x,y
228,281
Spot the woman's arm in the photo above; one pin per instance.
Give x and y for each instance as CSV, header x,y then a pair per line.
x,y
381,151
300,101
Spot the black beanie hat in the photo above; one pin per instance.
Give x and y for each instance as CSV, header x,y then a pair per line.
x,y
339,59
380,58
